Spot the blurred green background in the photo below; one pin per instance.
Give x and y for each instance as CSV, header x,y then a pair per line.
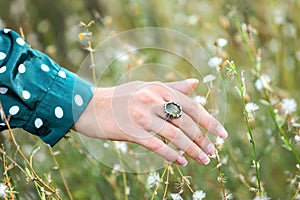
x,y
52,26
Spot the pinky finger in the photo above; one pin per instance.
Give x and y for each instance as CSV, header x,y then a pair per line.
x,y
159,147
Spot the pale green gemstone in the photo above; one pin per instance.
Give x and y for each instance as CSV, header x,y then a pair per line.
x,y
173,109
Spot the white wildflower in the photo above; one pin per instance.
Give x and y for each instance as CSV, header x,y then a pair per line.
x,y
127,190
193,20
263,82
215,62
122,57
199,195
176,196
279,16
248,28
117,168
251,108
209,78
201,100
221,42
3,190
297,138
288,106
121,146
244,27
105,145
229,196
219,141
153,179
261,198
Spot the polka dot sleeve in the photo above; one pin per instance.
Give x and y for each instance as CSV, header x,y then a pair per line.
x,y
36,93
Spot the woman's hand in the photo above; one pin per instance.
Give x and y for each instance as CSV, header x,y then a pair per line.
x,y
134,112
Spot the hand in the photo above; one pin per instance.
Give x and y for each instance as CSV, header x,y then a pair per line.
x,y
133,112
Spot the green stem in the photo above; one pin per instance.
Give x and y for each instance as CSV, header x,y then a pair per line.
x,y
184,179
167,183
123,174
244,39
161,179
36,176
253,144
221,176
282,133
246,117
61,174
90,48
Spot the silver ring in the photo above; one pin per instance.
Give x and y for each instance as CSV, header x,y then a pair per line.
x,y
172,110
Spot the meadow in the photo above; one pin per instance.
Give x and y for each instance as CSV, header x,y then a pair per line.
x,y
246,57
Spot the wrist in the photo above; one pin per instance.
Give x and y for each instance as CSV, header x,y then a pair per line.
x,y
89,123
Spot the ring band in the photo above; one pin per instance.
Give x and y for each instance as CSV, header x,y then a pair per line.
x,y
172,110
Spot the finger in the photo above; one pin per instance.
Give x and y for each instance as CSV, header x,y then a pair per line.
x,y
192,130
185,86
208,122
180,140
201,116
158,146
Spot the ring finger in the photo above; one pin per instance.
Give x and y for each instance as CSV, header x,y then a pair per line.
x,y
175,135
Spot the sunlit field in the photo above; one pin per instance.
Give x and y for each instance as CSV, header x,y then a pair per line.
x,y
246,55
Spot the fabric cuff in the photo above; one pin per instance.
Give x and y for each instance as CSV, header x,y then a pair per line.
x,y
60,107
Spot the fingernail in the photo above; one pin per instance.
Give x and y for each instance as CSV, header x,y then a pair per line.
x,y
192,81
211,149
182,161
204,158
222,131
207,162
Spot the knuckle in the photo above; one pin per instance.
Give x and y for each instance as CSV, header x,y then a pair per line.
x,y
139,116
155,146
171,134
193,151
145,96
213,125
201,139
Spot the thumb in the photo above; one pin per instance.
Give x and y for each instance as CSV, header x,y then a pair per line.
x,y
185,86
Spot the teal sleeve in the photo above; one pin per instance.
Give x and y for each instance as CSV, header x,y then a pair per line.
x,y
36,93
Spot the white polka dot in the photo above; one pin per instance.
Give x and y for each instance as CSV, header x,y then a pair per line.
x,y
93,89
2,124
6,30
3,90
2,56
45,68
62,74
2,69
59,113
20,41
25,94
78,100
14,110
22,68
38,123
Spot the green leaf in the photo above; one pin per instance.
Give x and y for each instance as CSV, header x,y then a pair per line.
x,y
264,102
286,145
238,91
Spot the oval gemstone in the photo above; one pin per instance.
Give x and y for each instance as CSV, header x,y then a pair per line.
x,y
173,109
